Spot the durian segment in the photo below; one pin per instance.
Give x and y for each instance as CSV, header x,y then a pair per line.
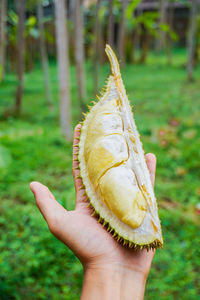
x,y
107,120
120,193
107,152
104,167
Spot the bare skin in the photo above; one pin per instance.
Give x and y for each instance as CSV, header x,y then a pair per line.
x,y
111,271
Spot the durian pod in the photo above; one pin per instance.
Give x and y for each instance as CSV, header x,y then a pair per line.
x,y
113,167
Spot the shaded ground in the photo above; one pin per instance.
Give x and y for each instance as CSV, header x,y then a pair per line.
x,y
34,265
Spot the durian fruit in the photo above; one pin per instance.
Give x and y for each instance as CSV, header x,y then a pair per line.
x,y
113,168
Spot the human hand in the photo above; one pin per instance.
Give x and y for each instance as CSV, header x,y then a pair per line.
x,y
102,256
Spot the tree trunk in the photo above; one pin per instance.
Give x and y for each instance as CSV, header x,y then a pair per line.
x,y
20,55
3,9
44,57
145,39
79,53
122,33
130,48
71,8
110,24
63,68
71,29
196,55
169,41
191,39
96,48
137,36
163,20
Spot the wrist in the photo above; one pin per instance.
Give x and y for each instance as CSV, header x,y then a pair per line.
x,y
112,282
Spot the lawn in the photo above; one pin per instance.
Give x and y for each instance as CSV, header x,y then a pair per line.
x,y
33,264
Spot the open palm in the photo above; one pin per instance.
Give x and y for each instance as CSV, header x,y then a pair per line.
x,y
81,232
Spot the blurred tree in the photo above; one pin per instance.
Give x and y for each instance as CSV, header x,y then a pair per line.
x,y
96,48
110,24
166,33
79,52
133,30
20,54
192,39
44,56
145,44
30,33
13,21
3,10
63,68
71,6
71,29
169,38
197,50
122,33
161,40
103,17
144,26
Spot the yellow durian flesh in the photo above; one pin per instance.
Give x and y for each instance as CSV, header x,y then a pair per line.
x,y
120,193
106,120
107,152
113,167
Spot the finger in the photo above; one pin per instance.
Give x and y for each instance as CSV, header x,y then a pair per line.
x,y
80,192
47,204
75,163
151,164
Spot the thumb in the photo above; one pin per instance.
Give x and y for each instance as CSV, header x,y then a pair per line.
x,y
151,164
47,204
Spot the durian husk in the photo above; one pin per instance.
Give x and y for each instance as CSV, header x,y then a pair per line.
x,y
113,168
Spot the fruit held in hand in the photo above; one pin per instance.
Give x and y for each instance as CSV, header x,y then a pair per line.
x,y
113,168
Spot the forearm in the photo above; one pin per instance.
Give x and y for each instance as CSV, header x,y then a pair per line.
x,y
112,283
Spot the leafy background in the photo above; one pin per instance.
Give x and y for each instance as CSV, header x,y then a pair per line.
x,y
33,264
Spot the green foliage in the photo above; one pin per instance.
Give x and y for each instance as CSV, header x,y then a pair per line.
x,y
34,265
12,29
131,8
148,20
166,28
30,27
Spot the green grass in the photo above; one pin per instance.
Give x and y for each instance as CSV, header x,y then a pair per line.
x,y
33,264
